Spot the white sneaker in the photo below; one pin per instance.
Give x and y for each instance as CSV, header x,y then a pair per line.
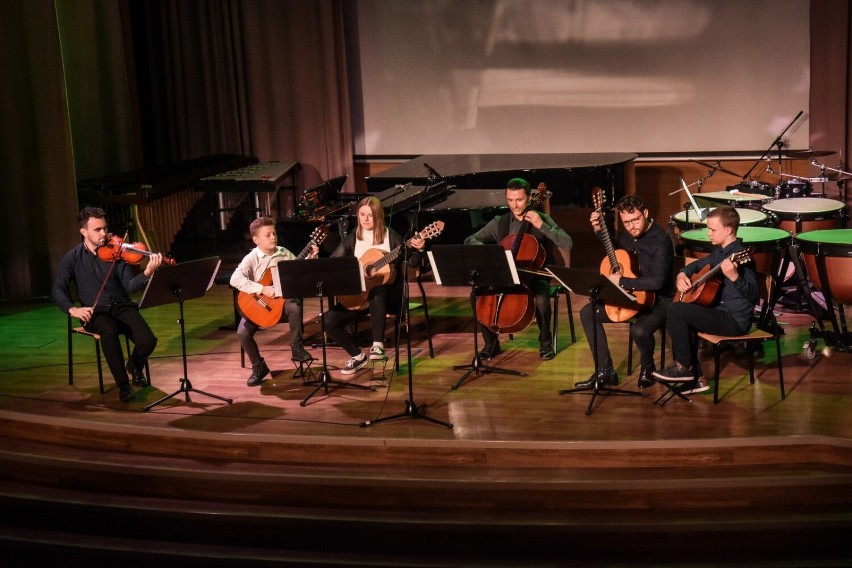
x,y
693,387
353,364
377,353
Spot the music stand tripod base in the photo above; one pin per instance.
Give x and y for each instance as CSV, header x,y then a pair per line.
x,y
598,288
181,282
466,265
321,277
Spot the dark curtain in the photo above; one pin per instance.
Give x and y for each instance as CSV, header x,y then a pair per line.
x,y
98,87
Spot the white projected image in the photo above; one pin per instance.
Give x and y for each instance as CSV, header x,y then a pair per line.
x,y
524,76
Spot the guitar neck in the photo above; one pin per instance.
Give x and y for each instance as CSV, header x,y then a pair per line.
x,y
608,246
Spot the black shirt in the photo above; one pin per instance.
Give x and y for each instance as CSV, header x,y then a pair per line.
x,y
87,271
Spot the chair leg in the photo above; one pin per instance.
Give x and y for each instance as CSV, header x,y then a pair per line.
x,y
663,348
100,366
555,332
629,351
70,355
716,357
570,317
425,305
780,366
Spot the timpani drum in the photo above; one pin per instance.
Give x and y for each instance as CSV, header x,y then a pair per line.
x,y
687,220
769,245
807,214
741,199
827,255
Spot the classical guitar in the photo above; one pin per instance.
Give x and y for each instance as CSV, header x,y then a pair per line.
x,y
621,261
379,270
706,282
265,311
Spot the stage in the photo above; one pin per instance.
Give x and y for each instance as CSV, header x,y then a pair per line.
x,y
523,477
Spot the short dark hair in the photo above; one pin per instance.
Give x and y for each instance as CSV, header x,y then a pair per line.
x,y
629,203
728,216
519,183
88,212
255,225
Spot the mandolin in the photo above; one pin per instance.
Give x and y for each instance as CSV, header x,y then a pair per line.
x,y
621,261
706,282
379,270
265,311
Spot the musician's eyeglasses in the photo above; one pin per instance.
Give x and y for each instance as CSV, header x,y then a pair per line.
x,y
635,221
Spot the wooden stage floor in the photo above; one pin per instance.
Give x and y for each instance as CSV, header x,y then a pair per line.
x,y
523,467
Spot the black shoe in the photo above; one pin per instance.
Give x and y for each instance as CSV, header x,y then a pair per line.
x,y
490,351
675,373
607,377
298,353
547,354
125,393
646,378
135,374
258,371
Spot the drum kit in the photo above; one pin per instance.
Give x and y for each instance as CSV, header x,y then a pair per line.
x,y
794,231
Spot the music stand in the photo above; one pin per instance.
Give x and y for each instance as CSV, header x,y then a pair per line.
x,y
181,282
320,277
466,265
598,288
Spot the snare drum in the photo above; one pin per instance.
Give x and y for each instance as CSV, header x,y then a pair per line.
x,y
807,214
793,188
769,245
828,260
686,220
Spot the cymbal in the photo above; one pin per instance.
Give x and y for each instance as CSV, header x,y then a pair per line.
x,y
717,167
809,154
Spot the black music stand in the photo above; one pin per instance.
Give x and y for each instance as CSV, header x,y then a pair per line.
x,y
475,265
598,288
320,277
181,282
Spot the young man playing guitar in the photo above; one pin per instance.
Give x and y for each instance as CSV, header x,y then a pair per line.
x,y
371,235
652,251
252,277
729,314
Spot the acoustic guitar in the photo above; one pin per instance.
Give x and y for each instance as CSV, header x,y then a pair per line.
x,y
379,270
265,311
620,261
706,282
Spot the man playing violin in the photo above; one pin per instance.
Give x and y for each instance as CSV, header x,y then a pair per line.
x,y
104,290
544,229
652,250
730,315
245,278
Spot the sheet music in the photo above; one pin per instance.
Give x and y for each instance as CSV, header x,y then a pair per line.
x,y
626,294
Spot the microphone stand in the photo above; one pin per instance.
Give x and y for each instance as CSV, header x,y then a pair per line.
x,y
779,141
412,409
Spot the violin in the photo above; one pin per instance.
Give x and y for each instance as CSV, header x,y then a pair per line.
x,y
513,311
133,253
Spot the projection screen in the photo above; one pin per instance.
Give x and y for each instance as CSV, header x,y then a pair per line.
x,y
525,76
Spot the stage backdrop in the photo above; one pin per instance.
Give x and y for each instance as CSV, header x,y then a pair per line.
x,y
517,76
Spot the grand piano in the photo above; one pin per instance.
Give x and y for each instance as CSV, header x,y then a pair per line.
x,y
475,184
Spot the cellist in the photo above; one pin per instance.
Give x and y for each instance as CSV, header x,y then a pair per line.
x,y
545,230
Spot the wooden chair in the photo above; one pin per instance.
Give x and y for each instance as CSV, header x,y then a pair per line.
x,y
766,285
80,330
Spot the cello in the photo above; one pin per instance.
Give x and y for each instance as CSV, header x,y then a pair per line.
x,y
618,261
513,310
